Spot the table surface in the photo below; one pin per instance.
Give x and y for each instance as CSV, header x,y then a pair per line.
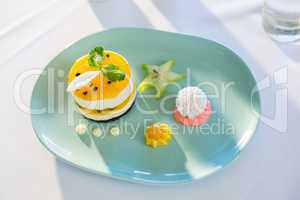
x,y
32,32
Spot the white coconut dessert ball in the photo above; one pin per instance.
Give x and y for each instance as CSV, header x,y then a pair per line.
x,y
191,102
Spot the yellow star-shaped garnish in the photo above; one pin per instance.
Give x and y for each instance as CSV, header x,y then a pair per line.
x,y
159,77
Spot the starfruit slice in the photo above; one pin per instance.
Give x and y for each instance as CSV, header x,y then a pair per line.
x,y
159,77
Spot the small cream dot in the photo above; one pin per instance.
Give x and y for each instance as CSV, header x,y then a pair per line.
x,y
115,131
81,129
97,132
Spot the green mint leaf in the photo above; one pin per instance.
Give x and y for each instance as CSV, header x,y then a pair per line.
x,y
96,56
113,73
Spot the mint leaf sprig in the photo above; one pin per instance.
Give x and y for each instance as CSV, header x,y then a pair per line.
x,y
111,72
96,56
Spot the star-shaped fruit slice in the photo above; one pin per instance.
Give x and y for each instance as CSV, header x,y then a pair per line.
x,y
159,77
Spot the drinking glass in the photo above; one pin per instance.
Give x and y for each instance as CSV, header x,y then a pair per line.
x,y
281,19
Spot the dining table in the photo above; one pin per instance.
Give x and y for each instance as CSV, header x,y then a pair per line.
x,y
33,32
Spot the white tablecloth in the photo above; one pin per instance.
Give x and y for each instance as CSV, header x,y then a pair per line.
x,y
32,32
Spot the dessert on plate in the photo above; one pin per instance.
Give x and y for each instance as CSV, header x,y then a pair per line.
x,y
192,107
102,85
158,134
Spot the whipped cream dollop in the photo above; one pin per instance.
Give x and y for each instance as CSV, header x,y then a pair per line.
x,y
191,102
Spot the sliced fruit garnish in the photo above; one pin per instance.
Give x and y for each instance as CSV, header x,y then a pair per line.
x,y
82,80
159,77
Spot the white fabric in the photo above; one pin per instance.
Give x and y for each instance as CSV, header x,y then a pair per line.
x,y
32,32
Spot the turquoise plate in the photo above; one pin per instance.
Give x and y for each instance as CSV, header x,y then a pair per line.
x,y
194,152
